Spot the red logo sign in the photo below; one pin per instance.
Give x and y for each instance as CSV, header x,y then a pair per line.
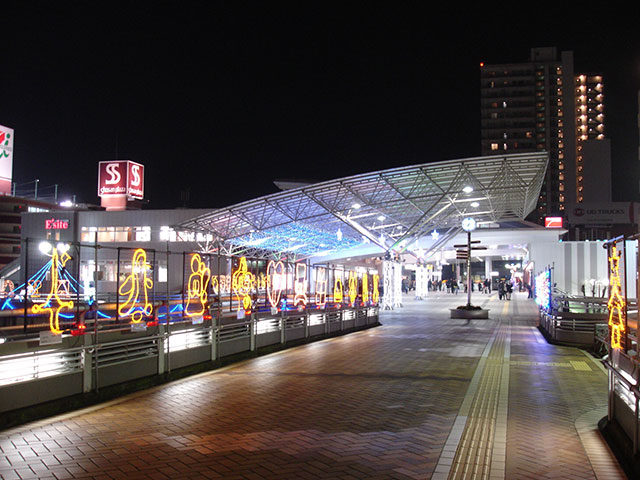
x,y
553,222
56,224
135,181
121,177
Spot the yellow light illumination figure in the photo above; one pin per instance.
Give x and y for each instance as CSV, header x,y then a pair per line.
x,y
242,283
53,304
136,288
337,290
353,287
365,287
300,284
616,302
321,286
375,291
197,287
276,281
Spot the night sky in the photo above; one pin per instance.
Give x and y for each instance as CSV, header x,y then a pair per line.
x,y
221,98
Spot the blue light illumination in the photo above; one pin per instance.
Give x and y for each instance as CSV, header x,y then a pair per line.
x,y
297,238
543,290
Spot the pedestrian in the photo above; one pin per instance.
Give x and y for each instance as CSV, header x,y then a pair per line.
x,y
500,290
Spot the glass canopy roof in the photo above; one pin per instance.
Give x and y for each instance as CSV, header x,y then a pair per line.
x,y
389,208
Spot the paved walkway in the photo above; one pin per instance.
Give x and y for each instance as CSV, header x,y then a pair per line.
x,y
422,396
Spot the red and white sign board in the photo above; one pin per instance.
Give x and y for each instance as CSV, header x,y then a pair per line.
x,y
553,222
122,178
6,159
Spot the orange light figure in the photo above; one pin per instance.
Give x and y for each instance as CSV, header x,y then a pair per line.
x,y
375,291
197,287
353,287
300,284
321,286
616,303
136,288
57,261
276,282
337,290
365,287
242,283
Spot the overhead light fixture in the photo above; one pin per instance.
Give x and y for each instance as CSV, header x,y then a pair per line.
x,y
475,204
356,206
44,247
467,189
381,217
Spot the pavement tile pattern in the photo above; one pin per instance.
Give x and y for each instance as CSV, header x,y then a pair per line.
x,y
420,397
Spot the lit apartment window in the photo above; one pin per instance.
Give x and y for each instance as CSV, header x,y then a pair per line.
x,y
562,206
561,176
494,146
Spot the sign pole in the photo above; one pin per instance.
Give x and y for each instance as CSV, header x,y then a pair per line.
x,y
469,268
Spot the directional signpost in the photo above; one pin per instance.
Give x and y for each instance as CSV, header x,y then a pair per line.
x,y
464,253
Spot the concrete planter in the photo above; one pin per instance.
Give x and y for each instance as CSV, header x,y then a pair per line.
x,y
469,314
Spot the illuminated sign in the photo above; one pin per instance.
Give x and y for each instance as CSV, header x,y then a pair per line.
x,y
300,284
197,287
616,303
121,177
543,290
277,281
353,287
242,282
365,287
321,286
53,304
375,290
6,159
337,289
553,222
56,224
136,288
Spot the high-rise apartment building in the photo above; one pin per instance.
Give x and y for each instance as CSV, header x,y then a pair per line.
x,y
541,105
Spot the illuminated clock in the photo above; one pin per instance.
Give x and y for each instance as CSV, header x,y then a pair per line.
x,y
468,224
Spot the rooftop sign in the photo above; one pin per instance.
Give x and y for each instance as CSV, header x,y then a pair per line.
x,y
121,178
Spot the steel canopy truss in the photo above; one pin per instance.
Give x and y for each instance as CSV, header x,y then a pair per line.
x,y
391,208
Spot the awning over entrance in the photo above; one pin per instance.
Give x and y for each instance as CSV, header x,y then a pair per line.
x,y
390,209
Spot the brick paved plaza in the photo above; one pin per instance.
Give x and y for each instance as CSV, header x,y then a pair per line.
x,y
422,396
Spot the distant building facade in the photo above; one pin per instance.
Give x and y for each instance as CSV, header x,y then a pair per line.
x,y
543,105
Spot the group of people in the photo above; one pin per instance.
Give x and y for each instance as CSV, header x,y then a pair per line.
x,y
449,286
505,289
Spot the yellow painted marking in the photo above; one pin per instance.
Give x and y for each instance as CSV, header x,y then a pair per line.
x,y
576,365
582,366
